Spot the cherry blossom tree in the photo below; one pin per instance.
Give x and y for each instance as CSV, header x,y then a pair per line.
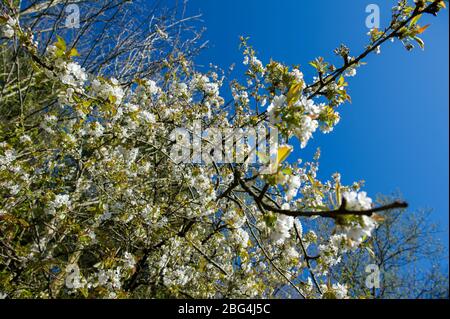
x,y
95,202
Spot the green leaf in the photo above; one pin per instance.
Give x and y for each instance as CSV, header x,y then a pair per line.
x,y
270,219
415,20
61,44
329,295
112,99
84,292
338,193
294,93
283,153
59,53
73,52
313,64
341,81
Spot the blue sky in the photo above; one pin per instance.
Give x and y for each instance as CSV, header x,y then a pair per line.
x,y
394,135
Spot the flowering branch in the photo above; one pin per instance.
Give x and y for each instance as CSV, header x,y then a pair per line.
x,y
342,210
323,82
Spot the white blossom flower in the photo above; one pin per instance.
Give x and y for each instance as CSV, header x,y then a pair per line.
x,y
241,96
357,233
152,87
257,63
73,75
8,157
350,72
7,30
307,127
297,74
96,129
241,237
48,123
108,90
378,50
357,201
291,253
299,227
338,290
309,106
293,186
277,103
282,227
61,200
233,218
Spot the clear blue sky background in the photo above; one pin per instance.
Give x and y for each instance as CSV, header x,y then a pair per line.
x,y
394,135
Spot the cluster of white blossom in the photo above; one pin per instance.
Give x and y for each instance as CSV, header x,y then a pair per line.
x,y
301,117
234,218
241,237
254,62
210,89
108,90
282,228
7,30
202,82
111,279
179,277
275,106
352,232
241,96
357,231
94,129
61,200
298,76
336,290
204,186
307,127
7,158
329,254
73,74
294,183
49,123
69,73
357,201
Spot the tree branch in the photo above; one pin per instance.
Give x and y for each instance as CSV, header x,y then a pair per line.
x,y
342,210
